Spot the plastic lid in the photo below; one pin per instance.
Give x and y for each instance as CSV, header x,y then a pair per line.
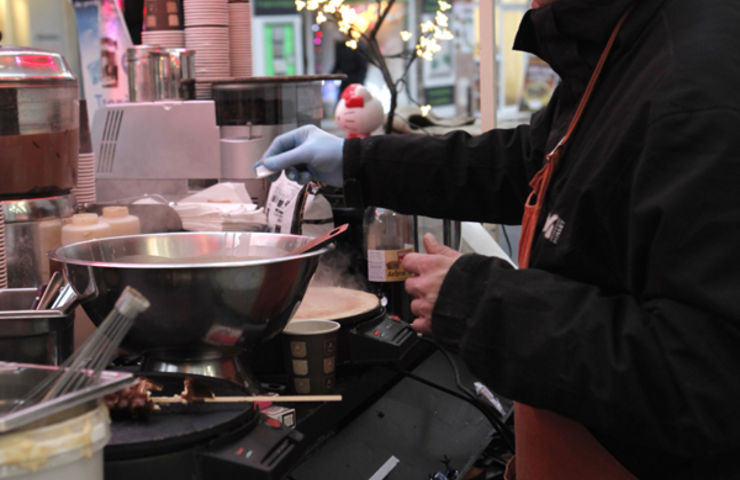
x,y
30,65
115,211
85,218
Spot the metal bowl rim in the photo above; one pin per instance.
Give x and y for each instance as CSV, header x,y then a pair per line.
x,y
56,256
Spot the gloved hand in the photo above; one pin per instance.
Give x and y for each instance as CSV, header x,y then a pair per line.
x,y
306,153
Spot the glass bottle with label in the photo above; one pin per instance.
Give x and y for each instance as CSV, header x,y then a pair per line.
x,y
389,236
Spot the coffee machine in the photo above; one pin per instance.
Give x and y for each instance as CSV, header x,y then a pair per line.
x,y
39,138
175,147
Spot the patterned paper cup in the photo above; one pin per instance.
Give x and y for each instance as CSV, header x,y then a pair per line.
x,y
310,348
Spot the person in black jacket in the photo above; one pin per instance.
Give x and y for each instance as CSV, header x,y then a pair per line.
x,y
627,321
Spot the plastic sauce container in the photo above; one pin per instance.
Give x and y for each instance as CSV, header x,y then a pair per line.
x,y
70,449
120,221
84,226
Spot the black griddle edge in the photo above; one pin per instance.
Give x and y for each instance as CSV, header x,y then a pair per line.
x,y
269,453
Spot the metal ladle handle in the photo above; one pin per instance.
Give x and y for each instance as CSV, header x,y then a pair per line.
x,y
321,240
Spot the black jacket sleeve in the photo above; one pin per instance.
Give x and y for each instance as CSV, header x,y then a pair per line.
x,y
457,176
655,365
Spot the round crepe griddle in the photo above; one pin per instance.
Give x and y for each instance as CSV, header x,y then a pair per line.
x,y
335,303
175,427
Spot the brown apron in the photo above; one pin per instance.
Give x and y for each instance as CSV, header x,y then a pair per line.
x,y
549,446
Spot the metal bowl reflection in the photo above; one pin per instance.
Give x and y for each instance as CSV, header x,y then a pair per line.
x,y
222,289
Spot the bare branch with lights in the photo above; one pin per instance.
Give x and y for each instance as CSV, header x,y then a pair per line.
x,y
358,29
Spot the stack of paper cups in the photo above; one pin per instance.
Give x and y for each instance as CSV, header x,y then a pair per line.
x,y
206,13
164,38
240,38
207,33
3,263
84,190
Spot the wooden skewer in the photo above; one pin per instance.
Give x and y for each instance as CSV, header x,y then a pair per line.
x,y
255,398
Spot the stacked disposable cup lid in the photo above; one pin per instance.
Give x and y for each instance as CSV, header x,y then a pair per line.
x,y
3,264
206,13
164,38
240,39
84,191
207,33
202,89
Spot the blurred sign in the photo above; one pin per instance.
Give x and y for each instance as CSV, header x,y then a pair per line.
x,y
539,83
103,40
429,6
274,7
440,95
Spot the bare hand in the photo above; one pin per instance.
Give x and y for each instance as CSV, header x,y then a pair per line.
x,y
430,269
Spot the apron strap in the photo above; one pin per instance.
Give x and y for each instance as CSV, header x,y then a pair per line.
x,y
541,181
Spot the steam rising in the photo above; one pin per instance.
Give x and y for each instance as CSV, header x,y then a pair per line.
x,y
339,269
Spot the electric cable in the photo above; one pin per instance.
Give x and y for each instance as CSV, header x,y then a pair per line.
x,y
497,423
467,395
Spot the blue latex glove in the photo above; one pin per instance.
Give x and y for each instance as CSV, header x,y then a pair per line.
x,y
306,153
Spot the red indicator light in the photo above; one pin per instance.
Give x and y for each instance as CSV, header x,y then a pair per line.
x,y
39,62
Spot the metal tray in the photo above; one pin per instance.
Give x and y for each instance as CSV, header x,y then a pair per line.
x,y
17,379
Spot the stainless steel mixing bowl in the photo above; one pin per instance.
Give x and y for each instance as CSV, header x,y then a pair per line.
x,y
222,289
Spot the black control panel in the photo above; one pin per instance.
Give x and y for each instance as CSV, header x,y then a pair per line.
x,y
380,341
265,453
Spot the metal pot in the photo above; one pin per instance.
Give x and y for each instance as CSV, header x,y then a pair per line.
x,y
207,289
157,73
33,336
39,123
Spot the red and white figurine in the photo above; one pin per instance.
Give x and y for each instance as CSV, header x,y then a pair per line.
x,y
358,113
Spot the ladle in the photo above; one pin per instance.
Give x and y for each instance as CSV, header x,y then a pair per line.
x,y
320,241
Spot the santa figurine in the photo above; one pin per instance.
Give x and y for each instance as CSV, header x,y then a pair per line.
x,y
358,113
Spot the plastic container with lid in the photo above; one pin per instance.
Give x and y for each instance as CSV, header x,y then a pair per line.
x,y
66,448
84,226
121,221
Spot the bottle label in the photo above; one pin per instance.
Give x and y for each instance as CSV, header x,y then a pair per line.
x,y
385,265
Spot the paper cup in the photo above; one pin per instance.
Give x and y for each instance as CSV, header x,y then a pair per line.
x,y
310,348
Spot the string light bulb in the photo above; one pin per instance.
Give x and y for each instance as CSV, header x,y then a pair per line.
x,y
440,19
353,25
444,6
